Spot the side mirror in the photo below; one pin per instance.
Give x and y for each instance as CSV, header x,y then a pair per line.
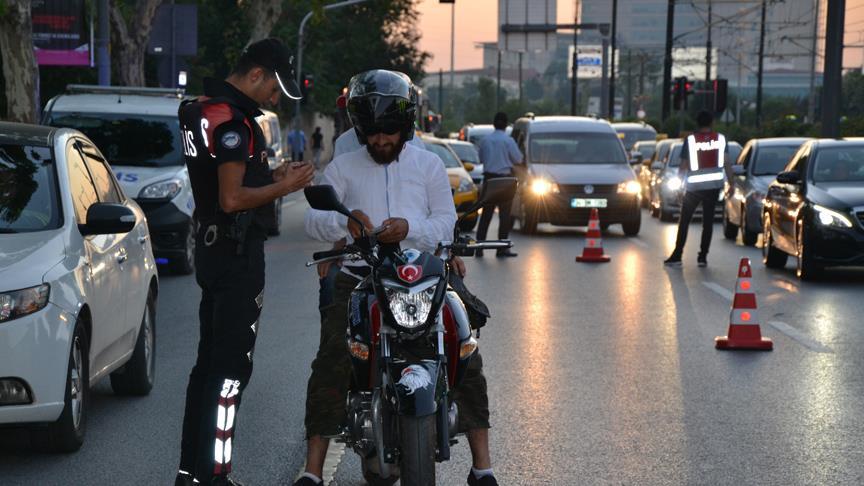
x,y
657,166
739,170
468,166
790,177
636,160
324,198
107,219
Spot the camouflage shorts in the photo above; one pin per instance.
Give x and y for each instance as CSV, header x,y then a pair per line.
x,y
331,374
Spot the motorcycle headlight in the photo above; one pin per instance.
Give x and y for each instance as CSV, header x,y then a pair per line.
x,y
829,217
19,303
410,307
162,190
465,185
629,187
542,187
674,183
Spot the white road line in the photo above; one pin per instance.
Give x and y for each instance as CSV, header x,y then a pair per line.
x,y
720,290
331,462
803,339
639,242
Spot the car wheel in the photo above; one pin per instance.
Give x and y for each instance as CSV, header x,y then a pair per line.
x,y
276,229
655,212
137,376
67,433
632,227
730,229
771,256
665,215
748,237
529,220
806,268
186,264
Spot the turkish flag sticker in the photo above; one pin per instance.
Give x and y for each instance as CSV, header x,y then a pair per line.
x,y
409,273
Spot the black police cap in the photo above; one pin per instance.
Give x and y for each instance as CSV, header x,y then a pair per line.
x,y
272,54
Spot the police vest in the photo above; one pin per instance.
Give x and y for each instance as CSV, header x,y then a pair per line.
x,y
707,152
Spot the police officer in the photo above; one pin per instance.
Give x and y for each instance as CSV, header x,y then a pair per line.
x,y
703,169
233,187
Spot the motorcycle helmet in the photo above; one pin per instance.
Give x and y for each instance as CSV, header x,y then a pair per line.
x,y
382,101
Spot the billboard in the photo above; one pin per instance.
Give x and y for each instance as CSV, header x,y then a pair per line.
x,y
61,33
537,13
590,61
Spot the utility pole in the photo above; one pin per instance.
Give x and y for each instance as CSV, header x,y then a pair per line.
x,y
574,80
761,66
667,59
708,48
611,108
520,79
452,42
811,103
629,101
173,45
604,82
103,62
440,91
498,85
832,78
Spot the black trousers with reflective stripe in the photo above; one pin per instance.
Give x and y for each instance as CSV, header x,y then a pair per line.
x,y
692,200
231,298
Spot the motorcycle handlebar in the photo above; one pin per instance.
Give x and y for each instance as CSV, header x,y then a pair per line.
x,y
320,255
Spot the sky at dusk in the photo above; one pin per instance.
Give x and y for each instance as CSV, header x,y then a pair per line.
x,y
477,21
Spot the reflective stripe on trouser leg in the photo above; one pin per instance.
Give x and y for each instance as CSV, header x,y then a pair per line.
x,y
225,413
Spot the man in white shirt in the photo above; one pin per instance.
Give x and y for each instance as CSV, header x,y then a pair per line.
x,y
389,183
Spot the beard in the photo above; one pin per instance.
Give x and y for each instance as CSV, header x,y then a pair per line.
x,y
384,153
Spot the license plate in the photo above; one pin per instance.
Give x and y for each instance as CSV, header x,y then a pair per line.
x,y
588,203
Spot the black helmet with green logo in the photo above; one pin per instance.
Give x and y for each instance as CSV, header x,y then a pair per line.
x,y
381,101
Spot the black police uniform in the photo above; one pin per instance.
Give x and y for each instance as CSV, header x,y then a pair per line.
x,y
217,128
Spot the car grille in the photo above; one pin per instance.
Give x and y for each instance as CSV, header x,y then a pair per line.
x,y
580,189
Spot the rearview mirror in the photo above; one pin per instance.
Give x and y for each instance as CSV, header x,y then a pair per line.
x,y
324,198
790,177
107,219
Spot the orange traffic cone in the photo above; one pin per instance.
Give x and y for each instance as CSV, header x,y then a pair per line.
x,y
744,332
593,251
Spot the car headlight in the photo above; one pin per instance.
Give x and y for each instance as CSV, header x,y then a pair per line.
x,y
829,217
162,190
410,309
674,183
465,185
629,187
542,187
19,303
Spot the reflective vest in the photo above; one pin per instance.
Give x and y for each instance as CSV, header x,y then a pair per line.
x,y
707,152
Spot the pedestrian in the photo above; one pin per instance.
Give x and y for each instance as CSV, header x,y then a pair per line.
x,y
406,190
234,189
704,168
498,153
297,142
317,147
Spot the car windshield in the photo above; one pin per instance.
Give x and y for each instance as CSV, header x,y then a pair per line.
x,y
150,141
839,164
734,150
576,148
467,153
450,161
647,150
28,189
770,160
675,156
633,135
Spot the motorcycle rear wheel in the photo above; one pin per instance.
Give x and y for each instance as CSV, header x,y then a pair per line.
x,y
417,447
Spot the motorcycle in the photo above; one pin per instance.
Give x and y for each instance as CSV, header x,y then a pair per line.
x,y
410,342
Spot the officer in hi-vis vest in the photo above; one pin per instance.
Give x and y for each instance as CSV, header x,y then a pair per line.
x,y
703,169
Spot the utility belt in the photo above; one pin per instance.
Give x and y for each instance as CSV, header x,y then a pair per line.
x,y
235,228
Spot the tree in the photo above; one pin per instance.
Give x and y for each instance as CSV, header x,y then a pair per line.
x,y
262,15
130,33
19,61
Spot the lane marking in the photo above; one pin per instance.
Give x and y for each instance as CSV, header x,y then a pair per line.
x,y
800,337
335,453
640,242
720,290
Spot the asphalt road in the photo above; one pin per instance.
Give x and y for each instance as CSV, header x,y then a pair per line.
x,y
598,374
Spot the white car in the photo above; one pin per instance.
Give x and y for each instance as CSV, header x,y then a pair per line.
x,y
139,132
78,283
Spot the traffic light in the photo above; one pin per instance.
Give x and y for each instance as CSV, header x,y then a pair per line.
x,y
308,84
720,87
681,91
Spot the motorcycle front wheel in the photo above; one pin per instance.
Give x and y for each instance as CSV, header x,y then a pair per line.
x,y
417,447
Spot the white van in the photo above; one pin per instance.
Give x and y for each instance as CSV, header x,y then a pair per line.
x,y
138,131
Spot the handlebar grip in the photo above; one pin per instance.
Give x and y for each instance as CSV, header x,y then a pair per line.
x,y
327,254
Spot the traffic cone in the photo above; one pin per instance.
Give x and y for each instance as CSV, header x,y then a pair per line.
x,y
744,332
593,251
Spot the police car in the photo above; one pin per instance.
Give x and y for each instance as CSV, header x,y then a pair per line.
x,y
138,131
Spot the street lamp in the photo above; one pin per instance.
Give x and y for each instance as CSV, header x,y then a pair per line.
x,y
300,38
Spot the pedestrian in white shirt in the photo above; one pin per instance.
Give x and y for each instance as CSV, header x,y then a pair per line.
x,y
390,183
